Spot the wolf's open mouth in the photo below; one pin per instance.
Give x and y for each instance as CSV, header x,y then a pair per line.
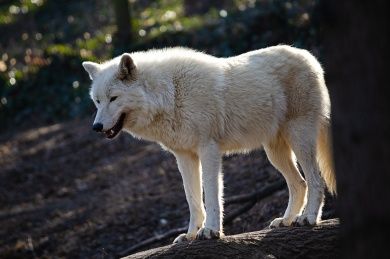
x,y
111,133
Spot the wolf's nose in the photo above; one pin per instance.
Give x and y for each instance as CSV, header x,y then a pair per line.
x,y
97,127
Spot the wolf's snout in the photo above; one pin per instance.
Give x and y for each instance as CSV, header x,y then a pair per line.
x,y
98,127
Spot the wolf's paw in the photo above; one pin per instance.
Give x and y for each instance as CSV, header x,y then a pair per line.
x,y
281,222
183,238
206,233
305,220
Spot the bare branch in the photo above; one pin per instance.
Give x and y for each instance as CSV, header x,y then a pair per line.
x,y
257,195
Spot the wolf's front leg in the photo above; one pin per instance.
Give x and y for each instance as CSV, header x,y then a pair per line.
x,y
189,168
210,158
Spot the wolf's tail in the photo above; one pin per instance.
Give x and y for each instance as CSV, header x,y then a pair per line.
x,y
325,156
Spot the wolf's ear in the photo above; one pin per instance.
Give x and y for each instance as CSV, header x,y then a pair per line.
x,y
92,68
127,68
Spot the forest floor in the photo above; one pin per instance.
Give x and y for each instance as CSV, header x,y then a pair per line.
x,y
66,192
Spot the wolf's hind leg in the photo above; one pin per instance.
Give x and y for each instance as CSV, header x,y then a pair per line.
x,y
189,167
303,136
282,158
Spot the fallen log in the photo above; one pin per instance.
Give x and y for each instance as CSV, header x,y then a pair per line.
x,y
251,198
321,241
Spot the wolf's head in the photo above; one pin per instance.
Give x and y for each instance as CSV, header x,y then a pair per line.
x,y
119,95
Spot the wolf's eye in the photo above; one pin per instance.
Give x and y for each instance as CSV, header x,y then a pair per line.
x,y
113,98
97,101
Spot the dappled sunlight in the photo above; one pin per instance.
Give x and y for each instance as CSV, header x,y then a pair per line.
x,y
20,143
34,134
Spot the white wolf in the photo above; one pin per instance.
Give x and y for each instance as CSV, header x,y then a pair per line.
x,y
200,107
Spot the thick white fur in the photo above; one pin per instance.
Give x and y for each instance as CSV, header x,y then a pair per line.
x,y
200,107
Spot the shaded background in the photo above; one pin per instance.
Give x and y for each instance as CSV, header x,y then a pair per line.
x,y
67,192
44,42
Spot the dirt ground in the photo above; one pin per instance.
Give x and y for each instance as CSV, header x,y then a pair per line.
x,y
67,192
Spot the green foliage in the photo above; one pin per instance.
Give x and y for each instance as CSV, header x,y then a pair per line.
x,y
44,42
48,94
9,12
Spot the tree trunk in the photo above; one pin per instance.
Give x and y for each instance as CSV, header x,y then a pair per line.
x,y
321,241
356,41
123,35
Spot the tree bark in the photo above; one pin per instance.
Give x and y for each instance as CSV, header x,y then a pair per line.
x,y
123,35
356,44
321,241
